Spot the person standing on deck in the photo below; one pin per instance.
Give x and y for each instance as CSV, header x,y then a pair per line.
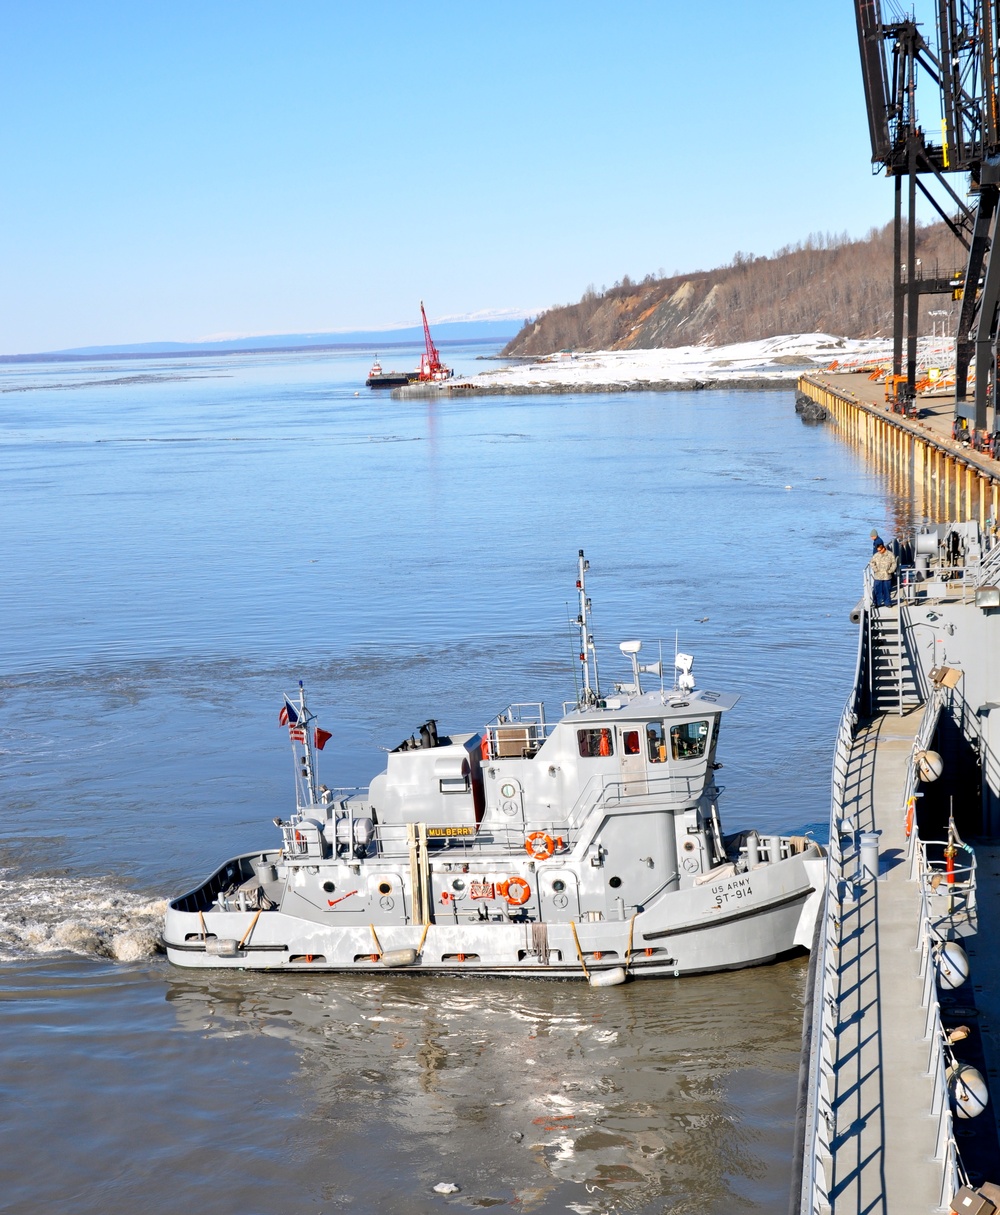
x,y
883,565
876,541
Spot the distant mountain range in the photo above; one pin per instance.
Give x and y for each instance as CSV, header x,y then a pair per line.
x,y
446,333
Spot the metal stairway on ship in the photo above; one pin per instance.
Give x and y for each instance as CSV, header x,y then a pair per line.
x,y
893,686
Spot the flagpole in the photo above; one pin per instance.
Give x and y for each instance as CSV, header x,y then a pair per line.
x,y
308,764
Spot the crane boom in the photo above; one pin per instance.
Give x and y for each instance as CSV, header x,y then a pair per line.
x,y
431,352
431,367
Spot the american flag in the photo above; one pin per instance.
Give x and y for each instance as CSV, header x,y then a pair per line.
x,y
296,734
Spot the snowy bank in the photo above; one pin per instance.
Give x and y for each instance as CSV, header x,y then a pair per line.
x,y
778,361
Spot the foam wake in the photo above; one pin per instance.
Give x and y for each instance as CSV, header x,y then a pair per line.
x,y
91,916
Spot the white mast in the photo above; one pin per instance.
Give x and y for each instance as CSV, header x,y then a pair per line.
x,y
300,733
590,695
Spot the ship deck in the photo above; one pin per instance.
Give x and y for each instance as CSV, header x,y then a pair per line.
x,y
882,1152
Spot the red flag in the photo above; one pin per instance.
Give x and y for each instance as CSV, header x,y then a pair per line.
x,y
321,738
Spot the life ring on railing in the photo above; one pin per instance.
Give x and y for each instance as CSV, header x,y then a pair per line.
x,y
539,846
515,890
484,747
911,806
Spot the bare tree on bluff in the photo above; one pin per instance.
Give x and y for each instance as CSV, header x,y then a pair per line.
x,y
826,284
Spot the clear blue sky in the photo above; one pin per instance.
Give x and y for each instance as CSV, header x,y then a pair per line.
x,y
206,167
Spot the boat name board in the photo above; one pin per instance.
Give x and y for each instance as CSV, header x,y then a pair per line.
x,y
738,888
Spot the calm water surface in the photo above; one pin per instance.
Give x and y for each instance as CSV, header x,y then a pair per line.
x,y
183,541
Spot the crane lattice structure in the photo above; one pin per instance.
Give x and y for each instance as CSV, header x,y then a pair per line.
x,y
962,70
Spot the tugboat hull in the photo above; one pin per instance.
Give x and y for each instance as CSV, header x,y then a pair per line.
x,y
684,933
590,847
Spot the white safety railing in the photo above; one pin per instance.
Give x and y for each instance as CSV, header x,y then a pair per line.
x,y
820,1115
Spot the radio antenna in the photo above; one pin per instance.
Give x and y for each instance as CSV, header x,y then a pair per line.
x,y
590,695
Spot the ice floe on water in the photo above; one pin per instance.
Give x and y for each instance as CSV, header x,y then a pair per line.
x,y
43,914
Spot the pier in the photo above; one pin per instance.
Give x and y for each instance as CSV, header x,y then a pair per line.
x,y
949,480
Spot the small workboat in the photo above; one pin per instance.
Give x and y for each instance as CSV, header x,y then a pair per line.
x,y
589,846
377,378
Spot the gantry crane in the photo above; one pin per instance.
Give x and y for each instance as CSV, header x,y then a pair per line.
x,y
962,74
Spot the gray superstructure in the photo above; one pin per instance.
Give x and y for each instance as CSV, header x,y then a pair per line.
x,y
586,846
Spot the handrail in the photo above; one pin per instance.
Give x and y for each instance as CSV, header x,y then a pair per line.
x,y
820,1118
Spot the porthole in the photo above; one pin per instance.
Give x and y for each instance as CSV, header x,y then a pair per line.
x,y
558,885
384,887
614,882
329,887
689,845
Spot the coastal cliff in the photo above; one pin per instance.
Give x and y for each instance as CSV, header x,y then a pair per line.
x,y
824,285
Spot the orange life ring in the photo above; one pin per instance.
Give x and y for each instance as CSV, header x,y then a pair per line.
x,y
911,805
539,846
515,890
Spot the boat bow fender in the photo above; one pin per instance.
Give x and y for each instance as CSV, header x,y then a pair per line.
x,y
805,931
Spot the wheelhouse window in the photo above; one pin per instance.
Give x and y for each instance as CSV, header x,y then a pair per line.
x,y
656,742
690,740
595,743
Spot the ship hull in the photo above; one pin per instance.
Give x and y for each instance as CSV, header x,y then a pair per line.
x,y
696,930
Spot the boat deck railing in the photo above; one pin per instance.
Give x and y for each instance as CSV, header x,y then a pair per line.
x,y
497,840
948,891
943,904
516,733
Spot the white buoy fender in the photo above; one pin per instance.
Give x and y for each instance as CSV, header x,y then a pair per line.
x,y
221,948
967,1090
399,957
952,965
930,765
608,978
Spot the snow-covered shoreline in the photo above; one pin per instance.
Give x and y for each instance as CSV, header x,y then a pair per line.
x,y
776,361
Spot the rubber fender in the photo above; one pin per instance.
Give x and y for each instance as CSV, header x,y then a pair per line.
x,y
398,957
222,948
967,1090
952,965
608,978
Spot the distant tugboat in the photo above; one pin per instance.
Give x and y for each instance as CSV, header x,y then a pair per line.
x,y
377,378
588,847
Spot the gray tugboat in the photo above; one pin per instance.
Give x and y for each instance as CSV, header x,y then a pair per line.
x,y
586,847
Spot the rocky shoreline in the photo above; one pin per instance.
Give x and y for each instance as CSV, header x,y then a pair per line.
x,y
469,388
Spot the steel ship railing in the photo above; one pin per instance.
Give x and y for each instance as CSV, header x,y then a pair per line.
x,y
820,1121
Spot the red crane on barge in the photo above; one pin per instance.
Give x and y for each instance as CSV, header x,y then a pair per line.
x,y
431,367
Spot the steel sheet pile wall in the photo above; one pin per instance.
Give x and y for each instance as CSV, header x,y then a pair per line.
x,y
946,486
